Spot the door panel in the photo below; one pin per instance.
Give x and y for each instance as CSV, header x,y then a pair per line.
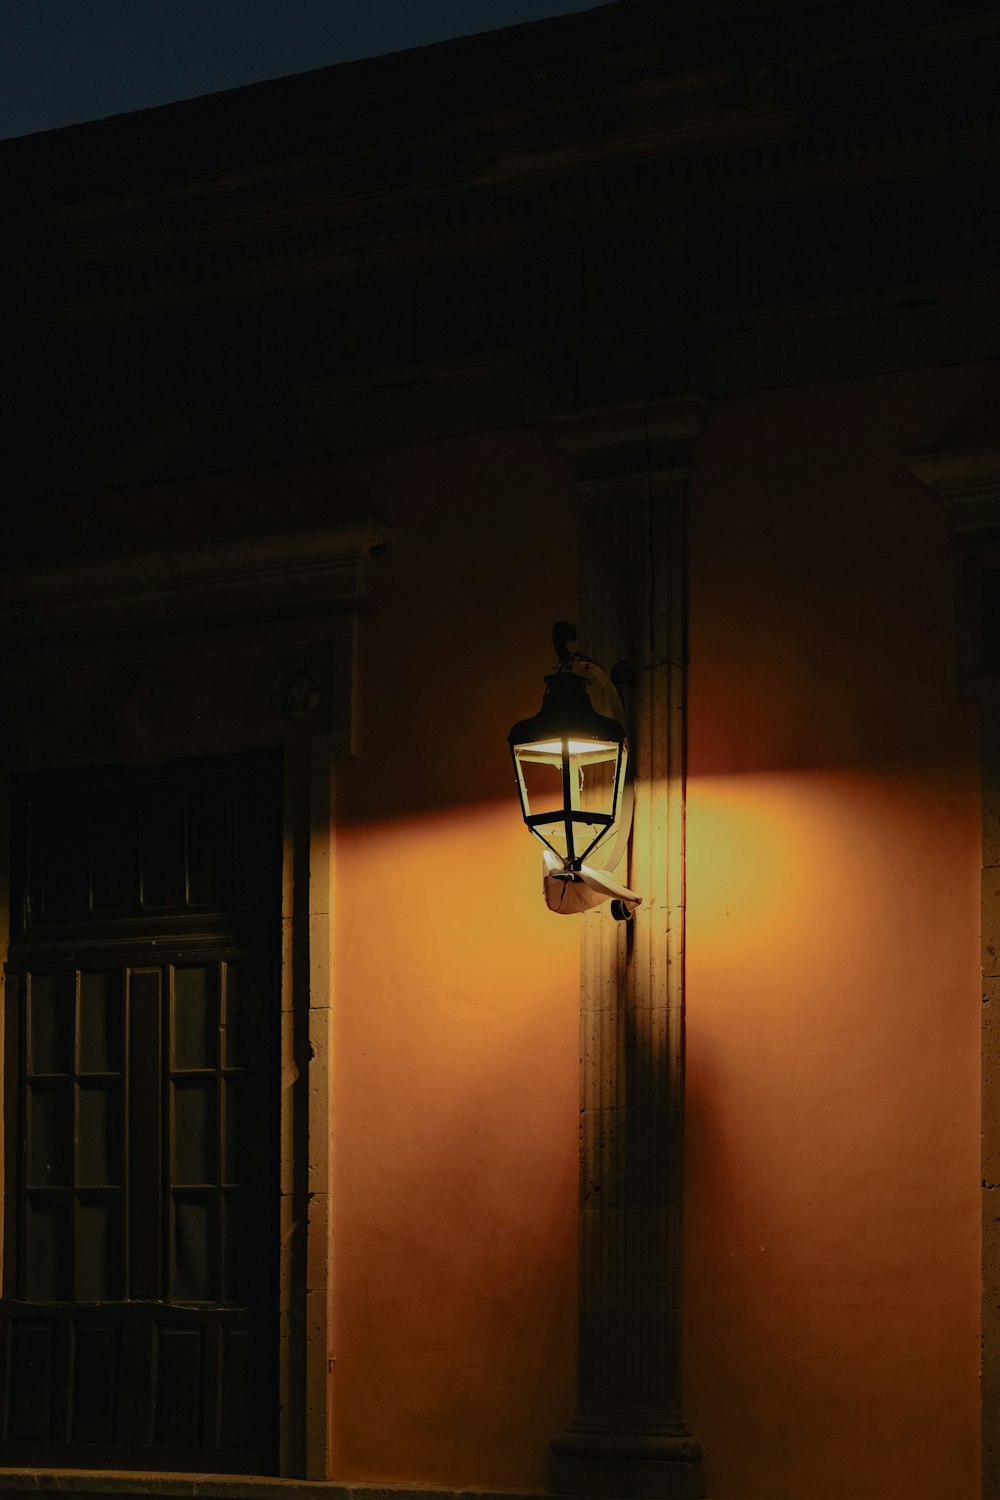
x,y
125,1385
140,1310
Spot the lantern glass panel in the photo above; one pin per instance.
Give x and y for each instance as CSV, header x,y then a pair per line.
x,y
591,771
541,781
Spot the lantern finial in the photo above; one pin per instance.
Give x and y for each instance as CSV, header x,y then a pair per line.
x,y
564,631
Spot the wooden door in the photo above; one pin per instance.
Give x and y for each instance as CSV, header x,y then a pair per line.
x,y
139,1315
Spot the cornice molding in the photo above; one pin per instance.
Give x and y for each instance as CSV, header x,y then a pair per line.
x,y
847,151
651,118
713,194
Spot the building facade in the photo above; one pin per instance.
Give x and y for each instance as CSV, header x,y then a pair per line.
x,y
330,1152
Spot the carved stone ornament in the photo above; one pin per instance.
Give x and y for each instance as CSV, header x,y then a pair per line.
x,y
296,691
72,383
196,361
982,226
334,335
811,254
633,278
477,311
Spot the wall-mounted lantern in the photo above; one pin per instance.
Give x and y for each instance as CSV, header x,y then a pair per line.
x,y
571,764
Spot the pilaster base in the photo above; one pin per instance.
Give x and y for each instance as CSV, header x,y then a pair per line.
x,y
630,1466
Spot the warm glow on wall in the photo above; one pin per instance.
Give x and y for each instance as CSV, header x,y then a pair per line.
x,y
781,867
455,1095
751,851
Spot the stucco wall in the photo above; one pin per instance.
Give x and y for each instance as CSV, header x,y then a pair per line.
x,y
832,1281
455,1047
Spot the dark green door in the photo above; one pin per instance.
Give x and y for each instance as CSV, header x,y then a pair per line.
x,y
139,1316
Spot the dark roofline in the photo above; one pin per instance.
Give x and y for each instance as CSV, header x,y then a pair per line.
x,y
320,92
463,76
619,82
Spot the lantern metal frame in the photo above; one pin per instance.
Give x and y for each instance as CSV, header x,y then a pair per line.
x,y
560,733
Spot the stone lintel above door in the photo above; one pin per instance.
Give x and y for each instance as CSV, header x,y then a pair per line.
x,y
227,644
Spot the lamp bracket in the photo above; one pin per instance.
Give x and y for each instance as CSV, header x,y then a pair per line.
x,y
615,684
563,632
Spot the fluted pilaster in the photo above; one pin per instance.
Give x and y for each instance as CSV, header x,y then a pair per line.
x,y
629,1436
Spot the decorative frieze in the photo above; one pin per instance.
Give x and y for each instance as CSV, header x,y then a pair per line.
x,y
717,258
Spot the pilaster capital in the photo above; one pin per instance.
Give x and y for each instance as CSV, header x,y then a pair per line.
x,y
967,480
619,449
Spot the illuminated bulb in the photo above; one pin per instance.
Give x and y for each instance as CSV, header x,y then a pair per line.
x,y
574,747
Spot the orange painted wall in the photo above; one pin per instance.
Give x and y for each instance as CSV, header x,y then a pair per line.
x,y
832,1229
832,1170
832,1281
455,1052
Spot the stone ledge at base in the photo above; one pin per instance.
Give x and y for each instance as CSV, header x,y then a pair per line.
x,y
115,1484
110,1484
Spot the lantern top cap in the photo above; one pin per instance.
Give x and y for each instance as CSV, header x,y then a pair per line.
x,y
566,712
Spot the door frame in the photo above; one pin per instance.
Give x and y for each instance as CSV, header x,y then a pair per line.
x,y
305,1111
967,480
246,646
303,1095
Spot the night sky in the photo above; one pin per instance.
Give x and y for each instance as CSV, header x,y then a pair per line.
x,y
63,61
